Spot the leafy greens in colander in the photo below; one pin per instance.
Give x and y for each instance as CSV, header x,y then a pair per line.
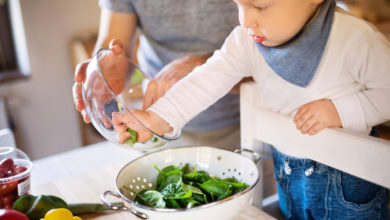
x,y
184,187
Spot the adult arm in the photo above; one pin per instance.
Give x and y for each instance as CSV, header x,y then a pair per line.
x,y
113,25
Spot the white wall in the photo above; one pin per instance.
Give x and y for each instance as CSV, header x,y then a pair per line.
x,y
41,107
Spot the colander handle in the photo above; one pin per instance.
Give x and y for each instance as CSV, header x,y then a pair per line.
x,y
123,207
256,155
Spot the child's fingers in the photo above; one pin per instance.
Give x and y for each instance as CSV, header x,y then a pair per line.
x,y
120,128
300,113
302,119
317,127
308,124
119,118
123,136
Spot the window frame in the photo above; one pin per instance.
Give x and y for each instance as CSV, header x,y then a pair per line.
x,y
13,25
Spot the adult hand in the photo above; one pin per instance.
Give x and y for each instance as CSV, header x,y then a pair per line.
x,y
113,66
317,115
170,75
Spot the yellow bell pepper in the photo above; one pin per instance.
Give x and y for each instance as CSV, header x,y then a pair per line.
x,y
60,214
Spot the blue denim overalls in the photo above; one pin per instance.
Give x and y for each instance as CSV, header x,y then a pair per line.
x,y
310,190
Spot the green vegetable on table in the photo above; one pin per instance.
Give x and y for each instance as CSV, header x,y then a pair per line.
x,y
35,207
179,187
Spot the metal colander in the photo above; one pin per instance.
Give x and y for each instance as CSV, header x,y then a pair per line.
x,y
140,174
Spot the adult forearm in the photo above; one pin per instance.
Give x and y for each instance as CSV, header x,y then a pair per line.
x,y
120,26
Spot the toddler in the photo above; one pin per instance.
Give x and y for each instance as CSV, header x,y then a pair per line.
x,y
312,60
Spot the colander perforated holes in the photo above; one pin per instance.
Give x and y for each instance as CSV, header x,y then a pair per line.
x,y
137,187
223,173
145,180
219,158
131,186
143,186
150,185
239,173
133,180
131,193
139,178
229,170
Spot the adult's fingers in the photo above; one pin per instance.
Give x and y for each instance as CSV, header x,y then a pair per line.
x,y
150,94
116,46
77,96
80,71
85,117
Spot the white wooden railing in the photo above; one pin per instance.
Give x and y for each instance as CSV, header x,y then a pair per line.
x,y
360,155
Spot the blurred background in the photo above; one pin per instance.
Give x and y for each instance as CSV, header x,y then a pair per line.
x,y
41,41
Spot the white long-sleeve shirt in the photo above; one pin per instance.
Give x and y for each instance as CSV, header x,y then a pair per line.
x,y
354,73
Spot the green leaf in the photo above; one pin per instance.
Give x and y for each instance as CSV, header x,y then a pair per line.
x,y
175,191
237,186
194,189
133,137
218,188
168,175
173,204
137,77
199,176
190,203
151,198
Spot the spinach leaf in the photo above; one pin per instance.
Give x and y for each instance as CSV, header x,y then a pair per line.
x,y
151,198
176,191
173,203
199,176
183,187
217,188
237,186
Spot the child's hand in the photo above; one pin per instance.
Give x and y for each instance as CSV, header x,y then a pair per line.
x,y
124,120
317,115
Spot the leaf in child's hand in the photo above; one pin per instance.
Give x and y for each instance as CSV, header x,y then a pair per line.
x,y
133,137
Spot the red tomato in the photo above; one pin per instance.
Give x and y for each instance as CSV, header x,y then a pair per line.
x,y
6,188
19,169
6,165
10,214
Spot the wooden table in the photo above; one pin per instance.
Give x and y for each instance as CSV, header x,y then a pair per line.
x,y
81,175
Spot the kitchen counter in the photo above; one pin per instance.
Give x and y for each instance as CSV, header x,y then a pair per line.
x,y
81,175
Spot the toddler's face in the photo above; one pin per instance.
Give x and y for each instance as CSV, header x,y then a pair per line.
x,y
274,22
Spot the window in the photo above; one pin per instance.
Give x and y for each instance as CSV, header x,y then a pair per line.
x,y
13,51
